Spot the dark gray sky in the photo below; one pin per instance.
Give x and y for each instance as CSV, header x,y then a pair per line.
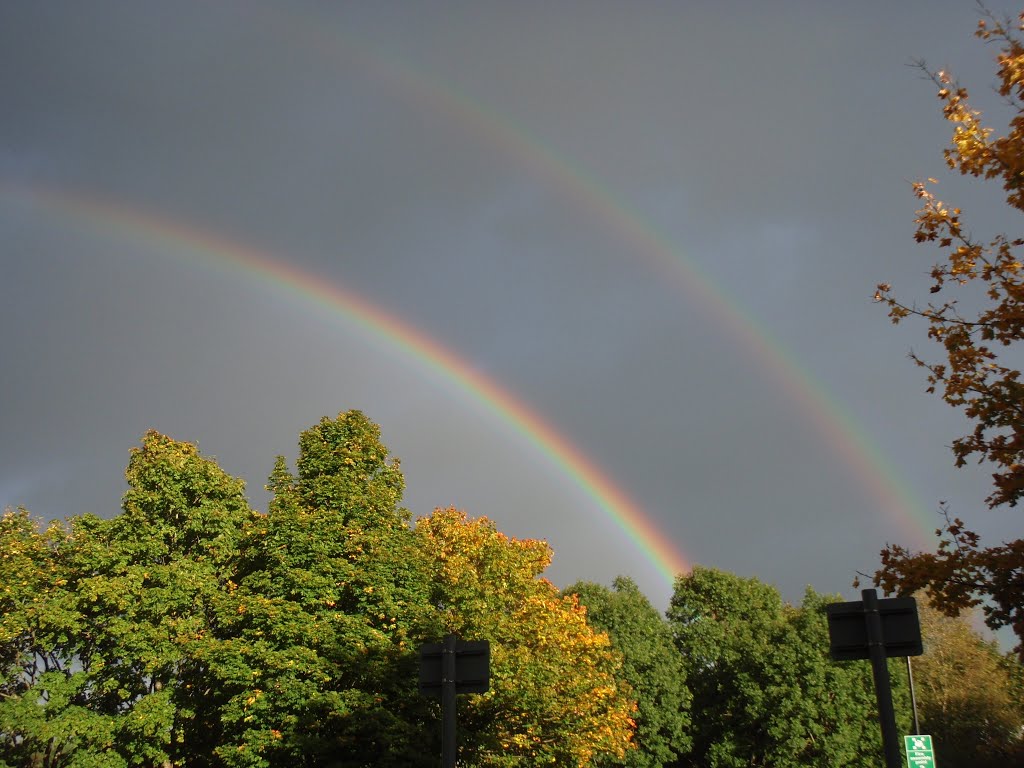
x,y
656,225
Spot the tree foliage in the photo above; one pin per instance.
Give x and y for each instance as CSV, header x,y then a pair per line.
x,y
977,316
317,662
652,668
189,629
764,688
111,640
43,719
556,697
969,695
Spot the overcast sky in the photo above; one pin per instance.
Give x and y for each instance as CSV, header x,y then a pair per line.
x,y
657,227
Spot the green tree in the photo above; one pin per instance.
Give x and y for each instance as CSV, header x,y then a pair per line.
x,y
159,595
652,668
977,316
43,721
330,605
969,695
190,630
763,685
110,642
555,696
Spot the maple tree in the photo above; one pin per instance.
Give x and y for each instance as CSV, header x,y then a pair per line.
x,y
317,656
555,696
977,316
40,720
190,629
106,645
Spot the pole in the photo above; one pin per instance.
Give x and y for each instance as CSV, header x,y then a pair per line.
x,y
883,689
913,698
448,702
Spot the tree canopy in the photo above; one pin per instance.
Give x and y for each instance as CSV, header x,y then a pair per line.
x,y
189,629
556,696
970,695
652,668
316,660
977,316
113,637
762,682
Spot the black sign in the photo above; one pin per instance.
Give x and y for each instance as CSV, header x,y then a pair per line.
x,y
472,667
848,629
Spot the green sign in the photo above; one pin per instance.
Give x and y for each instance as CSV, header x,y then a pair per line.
x,y
919,751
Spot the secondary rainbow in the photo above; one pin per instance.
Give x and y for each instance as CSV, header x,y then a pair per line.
x,y
111,217
852,447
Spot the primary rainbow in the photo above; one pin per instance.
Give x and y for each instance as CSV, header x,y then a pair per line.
x,y
846,440
112,217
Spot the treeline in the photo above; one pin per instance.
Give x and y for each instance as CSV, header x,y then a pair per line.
x,y
190,630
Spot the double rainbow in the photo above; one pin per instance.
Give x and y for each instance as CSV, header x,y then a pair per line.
x,y
641,239
847,442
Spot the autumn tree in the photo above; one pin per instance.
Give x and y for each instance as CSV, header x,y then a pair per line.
x,y
977,316
763,684
191,630
555,697
969,694
652,668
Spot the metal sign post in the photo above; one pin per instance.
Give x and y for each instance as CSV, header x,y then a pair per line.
x,y
913,696
448,669
876,629
448,742
883,688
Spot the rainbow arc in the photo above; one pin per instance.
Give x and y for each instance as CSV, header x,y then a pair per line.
x,y
116,219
